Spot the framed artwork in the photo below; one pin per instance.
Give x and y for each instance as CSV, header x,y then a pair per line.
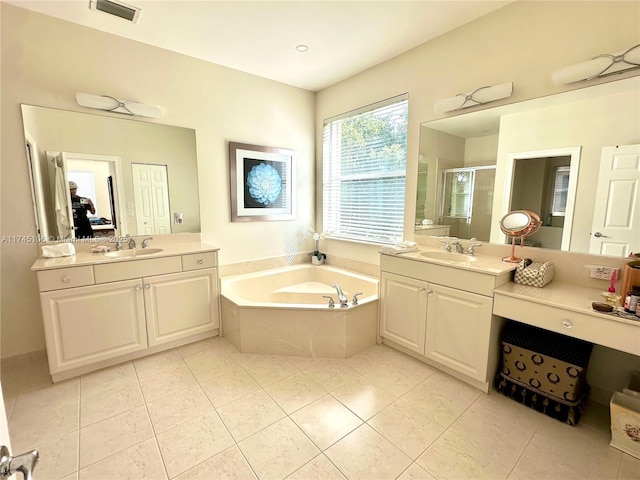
x,y
262,181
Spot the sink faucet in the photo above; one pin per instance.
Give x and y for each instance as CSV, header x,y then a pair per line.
x,y
470,248
145,242
132,241
342,298
447,245
458,246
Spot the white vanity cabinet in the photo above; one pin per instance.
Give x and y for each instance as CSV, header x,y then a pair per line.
x,y
442,314
99,315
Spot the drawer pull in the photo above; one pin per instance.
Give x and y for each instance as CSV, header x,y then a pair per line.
x,y
66,279
423,290
138,287
147,286
429,292
200,261
567,323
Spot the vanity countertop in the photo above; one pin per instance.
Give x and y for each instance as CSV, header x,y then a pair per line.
x,y
565,296
89,258
478,263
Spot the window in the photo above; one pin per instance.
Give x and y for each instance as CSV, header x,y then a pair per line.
x,y
364,169
560,190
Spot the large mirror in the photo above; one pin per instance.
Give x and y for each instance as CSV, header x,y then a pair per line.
x,y
131,177
572,158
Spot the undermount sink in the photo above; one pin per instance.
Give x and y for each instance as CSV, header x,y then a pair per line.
x,y
449,256
136,252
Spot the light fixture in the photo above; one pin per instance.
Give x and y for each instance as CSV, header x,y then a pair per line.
x,y
302,48
112,104
600,66
479,96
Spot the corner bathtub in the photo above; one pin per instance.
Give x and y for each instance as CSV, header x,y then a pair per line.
x,y
282,311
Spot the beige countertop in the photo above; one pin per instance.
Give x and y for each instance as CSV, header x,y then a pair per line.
x,y
88,258
565,296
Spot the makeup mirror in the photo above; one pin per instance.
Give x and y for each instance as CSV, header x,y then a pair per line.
x,y
519,223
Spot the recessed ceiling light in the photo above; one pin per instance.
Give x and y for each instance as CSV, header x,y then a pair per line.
x,y
302,48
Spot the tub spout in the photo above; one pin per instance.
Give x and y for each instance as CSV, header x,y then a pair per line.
x,y
342,298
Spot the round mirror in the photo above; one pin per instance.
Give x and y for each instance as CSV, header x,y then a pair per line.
x,y
515,222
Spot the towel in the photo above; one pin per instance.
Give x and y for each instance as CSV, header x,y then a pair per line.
x,y
58,250
402,247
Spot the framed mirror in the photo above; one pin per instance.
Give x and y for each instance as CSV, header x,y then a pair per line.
x,y
141,177
544,155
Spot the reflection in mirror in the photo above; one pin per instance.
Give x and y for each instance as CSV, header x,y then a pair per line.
x,y
141,177
530,145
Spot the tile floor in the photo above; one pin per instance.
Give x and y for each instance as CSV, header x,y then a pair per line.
x,y
205,411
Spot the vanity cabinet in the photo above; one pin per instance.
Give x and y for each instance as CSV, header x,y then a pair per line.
x,y
442,314
99,315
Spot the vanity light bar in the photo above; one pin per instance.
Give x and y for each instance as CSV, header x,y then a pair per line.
x,y
117,9
112,104
600,66
480,96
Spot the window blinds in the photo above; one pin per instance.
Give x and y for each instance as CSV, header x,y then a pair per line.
x,y
364,169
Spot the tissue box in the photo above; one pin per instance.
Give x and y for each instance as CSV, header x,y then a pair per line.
x,y
534,274
625,423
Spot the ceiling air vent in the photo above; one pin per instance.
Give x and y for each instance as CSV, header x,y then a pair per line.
x,y
117,9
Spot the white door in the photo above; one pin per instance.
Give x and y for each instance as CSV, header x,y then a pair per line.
x,y
615,228
151,191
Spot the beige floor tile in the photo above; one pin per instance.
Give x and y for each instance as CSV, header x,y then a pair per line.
x,y
629,468
331,374
368,360
320,468
442,398
167,381
250,414
450,457
407,427
278,450
107,379
206,346
153,364
51,396
209,365
414,366
363,397
139,462
227,465
180,407
395,379
578,452
58,457
107,403
229,386
295,392
524,417
415,472
73,476
367,455
499,436
597,416
110,436
193,442
267,369
302,363
29,426
326,421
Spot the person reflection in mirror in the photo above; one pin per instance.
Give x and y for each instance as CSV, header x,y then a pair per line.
x,y
80,206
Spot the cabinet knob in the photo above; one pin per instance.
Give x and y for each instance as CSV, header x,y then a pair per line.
x,y
429,292
567,323
423,290
200,261
138,287
66,279
147,286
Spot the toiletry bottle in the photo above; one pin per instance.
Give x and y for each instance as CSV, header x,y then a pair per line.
x,y
631,299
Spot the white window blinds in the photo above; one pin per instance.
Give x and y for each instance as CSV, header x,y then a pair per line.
x,y
364,168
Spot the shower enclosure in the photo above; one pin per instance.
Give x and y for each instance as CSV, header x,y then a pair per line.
x,y
466,201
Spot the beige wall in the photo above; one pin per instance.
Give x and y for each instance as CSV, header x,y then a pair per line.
x,y
45,61
523,42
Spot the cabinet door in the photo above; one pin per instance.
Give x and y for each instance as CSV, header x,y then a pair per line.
x,y
181,304
85,325
403,310
458,330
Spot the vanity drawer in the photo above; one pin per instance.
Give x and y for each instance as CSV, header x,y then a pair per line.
x,y
611,333
196,261
65,278
114,272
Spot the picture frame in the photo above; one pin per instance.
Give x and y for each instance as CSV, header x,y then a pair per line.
x,y
262,183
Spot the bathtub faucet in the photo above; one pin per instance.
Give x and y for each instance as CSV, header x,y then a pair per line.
x,y
342,298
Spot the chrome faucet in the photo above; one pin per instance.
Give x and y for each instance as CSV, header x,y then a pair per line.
x,y
331,301
132,241
342,298
447,245
458,246
145,242
470,248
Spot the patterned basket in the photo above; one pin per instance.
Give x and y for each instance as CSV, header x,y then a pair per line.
x,y
534,274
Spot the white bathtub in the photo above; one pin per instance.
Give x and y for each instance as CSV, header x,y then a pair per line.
x,y
282,311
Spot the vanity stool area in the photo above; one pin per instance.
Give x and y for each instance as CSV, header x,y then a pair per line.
x,y
101,310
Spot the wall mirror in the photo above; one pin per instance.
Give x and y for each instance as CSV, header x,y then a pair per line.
x,y
554,156
141,177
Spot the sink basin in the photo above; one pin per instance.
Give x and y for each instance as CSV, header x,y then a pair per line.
x,y
136,252
449,257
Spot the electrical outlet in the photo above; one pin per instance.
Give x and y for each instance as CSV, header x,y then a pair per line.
x,y
602,273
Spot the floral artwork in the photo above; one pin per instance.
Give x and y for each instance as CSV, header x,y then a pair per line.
x,y
262,183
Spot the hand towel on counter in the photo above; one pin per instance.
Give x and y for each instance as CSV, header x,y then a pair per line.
x,y
402,247
59,250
